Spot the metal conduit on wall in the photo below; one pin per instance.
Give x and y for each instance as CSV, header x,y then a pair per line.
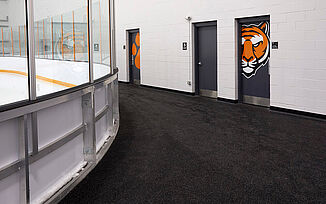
x,y
48,144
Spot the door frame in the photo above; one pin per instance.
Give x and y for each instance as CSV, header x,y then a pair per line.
x,y
239,21
128,33
195,26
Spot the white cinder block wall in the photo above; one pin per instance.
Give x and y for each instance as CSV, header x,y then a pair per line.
x,y
3,13
298,67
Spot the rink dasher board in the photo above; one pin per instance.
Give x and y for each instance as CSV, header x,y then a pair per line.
x,y
22,115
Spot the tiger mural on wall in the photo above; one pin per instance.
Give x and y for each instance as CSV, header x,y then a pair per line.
x,y
136,50
255,48
65,45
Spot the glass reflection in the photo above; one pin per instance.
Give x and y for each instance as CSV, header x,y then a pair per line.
x,y
61,52
13,46
101,37
61,46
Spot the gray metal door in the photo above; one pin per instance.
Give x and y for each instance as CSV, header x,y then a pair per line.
x,y
254,61
206,59
134,57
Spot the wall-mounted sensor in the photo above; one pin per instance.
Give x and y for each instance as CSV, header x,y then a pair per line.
x,y
188,18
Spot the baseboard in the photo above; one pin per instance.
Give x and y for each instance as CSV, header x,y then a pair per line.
x,y
124,82
299,113
166,89
228,100
272,108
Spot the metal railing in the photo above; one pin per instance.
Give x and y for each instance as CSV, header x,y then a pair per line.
x,y
30,152
70,130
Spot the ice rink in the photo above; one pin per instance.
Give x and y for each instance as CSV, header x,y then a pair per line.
x,y
52,76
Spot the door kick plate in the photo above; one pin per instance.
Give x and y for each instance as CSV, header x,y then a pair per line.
x,y
259,101
137,82
208,93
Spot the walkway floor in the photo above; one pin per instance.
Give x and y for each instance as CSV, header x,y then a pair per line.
x,y
174,148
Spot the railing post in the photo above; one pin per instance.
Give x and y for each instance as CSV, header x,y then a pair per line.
x,y
34,133
115,101
24,131
89,121
109,101
32,95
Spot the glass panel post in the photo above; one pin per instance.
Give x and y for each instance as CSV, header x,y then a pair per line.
x,y
31,50
113,36
90,40
110,35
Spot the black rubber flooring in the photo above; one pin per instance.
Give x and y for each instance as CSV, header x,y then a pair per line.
x,y
175,148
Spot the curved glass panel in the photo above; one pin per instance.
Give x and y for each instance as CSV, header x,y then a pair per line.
x,y
61,45
13,62
101,37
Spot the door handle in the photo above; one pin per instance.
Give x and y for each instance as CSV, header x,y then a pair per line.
x,y
199,63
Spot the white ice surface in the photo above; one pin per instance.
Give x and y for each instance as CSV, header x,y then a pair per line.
x,y
14,87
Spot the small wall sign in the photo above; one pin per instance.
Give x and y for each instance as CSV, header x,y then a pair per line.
x,y
184,46
96,47
274,45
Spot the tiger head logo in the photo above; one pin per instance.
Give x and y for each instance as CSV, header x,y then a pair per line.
x,y
69,42
136,51
255,48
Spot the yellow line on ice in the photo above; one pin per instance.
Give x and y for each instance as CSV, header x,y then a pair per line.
x,y
53,81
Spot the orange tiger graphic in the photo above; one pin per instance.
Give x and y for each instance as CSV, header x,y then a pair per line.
x,y
255,48
68,43
135,51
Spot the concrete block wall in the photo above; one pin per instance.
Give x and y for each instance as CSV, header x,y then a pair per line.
x,y
3,13
298,67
